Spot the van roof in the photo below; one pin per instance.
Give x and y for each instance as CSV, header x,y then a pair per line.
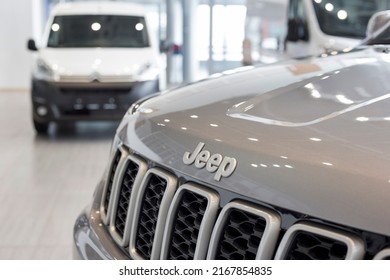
x,y
103,7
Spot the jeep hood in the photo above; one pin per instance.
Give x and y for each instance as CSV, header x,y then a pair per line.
x,y
310,136
101,61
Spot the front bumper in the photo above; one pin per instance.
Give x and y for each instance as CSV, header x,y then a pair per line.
x,y
86,101
91,239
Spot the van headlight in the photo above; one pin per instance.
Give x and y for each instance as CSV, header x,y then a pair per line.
x,y
148,72
43,71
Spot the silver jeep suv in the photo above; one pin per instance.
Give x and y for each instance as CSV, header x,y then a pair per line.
x,y
287,161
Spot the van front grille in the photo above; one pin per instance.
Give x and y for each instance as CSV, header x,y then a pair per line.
x,y
184,221
94,91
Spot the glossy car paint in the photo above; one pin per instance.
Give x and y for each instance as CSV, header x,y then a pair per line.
x,y
310,136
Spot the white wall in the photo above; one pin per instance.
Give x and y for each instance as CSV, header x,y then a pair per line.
x,y
15,29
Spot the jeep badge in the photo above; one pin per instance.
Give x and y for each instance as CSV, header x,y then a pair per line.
x,y
222,166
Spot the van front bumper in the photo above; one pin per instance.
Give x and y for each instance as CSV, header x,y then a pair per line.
x,y
86,101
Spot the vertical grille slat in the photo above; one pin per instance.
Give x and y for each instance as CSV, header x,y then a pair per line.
x,y
111,176
241,238
244,231
125,192
190,221
151,201
383,255
186,226
309,246
307,241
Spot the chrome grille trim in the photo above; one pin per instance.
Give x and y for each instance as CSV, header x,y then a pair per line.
x,y
207,223
142,168
355,246
85,79
110,190
383,255
348,244
270,235
162,215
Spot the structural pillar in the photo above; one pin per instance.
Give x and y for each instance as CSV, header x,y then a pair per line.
x,y
190,63
174,33
211,27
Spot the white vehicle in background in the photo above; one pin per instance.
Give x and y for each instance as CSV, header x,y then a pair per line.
x,y
317,26
95,60
279,29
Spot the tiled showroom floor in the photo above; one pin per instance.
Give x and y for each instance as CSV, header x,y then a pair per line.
x,y
45,181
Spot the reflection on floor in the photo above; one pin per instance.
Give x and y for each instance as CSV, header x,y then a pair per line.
x,y
45,181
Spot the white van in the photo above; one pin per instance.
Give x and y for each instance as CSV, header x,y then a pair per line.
x,y
94,61
279,29
317,26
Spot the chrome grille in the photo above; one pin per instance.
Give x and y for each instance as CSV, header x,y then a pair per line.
x,y
186,226
126,187
309,246
82,79
110,181
150,207
305,241
383,255
188,229
152,217
244,232
241,236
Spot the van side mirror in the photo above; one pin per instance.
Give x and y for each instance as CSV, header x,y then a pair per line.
x,y
297,30
31,45
377,23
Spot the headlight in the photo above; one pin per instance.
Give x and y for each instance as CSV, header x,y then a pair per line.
x,y
134,107
116,142
148,72
43,71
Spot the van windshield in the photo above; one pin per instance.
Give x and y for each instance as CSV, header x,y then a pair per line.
x,y
86,31
346,18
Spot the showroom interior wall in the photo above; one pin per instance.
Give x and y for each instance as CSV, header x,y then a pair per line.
x,y
15,29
